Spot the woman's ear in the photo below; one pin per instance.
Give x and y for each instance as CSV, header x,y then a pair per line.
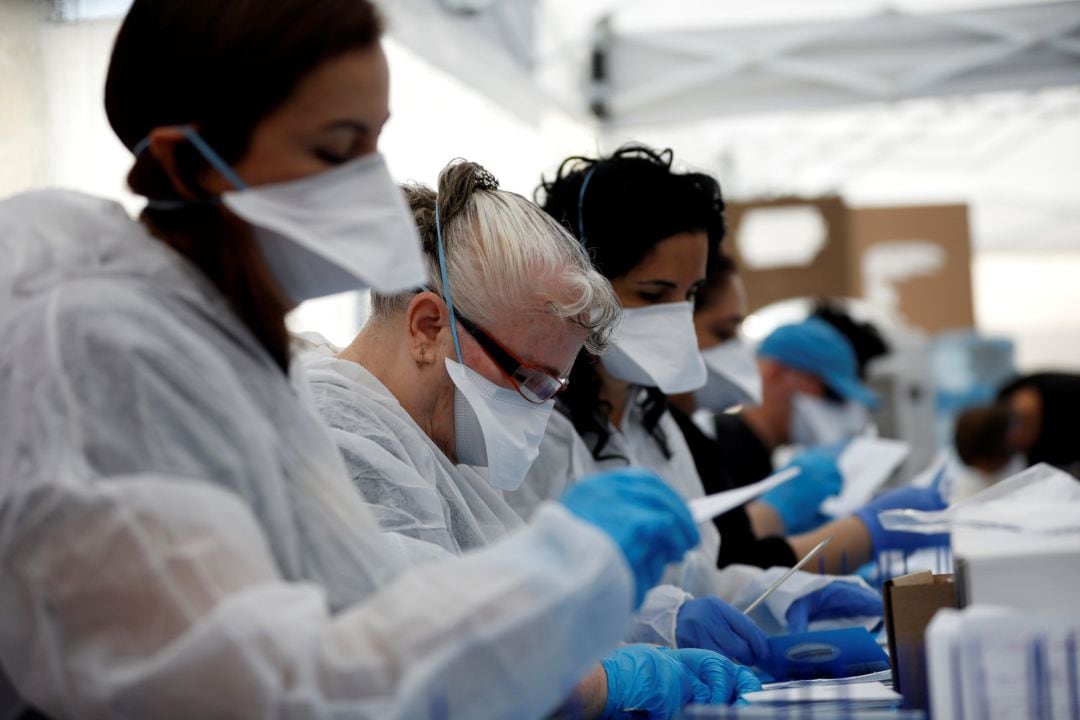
x,y
164,143
426,319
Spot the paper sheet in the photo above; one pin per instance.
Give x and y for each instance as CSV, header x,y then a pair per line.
x,y
710,506
884,676
826,692
866,463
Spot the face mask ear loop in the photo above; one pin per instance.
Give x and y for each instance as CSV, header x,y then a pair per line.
x,y
446,282
208,154
581,205
213,158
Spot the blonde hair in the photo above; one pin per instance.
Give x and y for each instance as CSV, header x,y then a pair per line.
x,y
504,254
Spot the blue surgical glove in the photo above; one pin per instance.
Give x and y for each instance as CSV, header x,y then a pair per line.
x,y
711,624
913,498
647,520
838,599
651,682
797,500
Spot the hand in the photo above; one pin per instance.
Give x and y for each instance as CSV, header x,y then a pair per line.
x,y
838,599
711,624
797,500
652,682
914,498
647,520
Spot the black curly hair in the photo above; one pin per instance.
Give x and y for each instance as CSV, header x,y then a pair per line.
x,y
620,207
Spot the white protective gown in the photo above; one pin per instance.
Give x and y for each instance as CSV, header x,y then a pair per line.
x,y
417,492
565,457
411,486
179,539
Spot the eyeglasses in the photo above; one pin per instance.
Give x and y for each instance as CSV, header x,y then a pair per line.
x,y
532,383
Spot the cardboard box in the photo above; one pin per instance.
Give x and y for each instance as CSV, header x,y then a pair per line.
x,y
914,260
910,603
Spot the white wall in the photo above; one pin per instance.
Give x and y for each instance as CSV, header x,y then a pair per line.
x,y
22,137
1034,298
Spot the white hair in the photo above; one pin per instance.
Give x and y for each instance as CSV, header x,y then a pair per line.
x,y
505,255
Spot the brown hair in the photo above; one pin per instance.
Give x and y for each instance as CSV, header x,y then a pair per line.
x,y
720,273
223,67
981,435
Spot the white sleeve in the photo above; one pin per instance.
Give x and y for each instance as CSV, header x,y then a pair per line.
x,y
128,599
654,622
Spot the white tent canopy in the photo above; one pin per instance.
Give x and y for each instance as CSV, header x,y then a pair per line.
x,y
671,76
919,101
633,63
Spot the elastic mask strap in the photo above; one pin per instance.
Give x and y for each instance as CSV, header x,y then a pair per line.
x,y
446,282
581,205
208,154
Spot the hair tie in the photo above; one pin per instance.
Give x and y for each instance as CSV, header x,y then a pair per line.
x,y
484,180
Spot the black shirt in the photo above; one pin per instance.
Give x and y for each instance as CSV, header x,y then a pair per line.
x,y
1059,436
715,462
744,456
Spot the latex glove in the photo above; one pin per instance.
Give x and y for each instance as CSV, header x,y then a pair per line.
x,y
711,624
838,599
914,498
647,520
797,500
652,682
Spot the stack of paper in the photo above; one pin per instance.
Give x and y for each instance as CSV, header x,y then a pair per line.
x,y
994,663
839,696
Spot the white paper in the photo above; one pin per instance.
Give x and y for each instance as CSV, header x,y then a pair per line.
x,y
825,692
995,663
1039,484
881,676
866,463
706,508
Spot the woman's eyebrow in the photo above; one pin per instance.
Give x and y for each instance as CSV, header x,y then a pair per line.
x,y
661,283
357,125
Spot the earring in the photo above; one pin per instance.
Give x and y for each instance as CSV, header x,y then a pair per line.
x,y
420,363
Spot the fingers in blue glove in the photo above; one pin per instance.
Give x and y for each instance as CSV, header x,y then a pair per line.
x,y
657,682
725,681
647,520
797,501
711,624
838,599
914,498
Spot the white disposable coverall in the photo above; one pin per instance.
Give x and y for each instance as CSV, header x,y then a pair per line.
x,y
564,457
178,537
416,491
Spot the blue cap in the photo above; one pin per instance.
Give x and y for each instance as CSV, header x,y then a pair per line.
x,y
816,347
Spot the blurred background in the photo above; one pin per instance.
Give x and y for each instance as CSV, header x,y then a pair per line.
x,y
920,158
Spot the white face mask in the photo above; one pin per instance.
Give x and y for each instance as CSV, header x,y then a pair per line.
x,y
656,346
816,421
494,427
734,377
343,229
